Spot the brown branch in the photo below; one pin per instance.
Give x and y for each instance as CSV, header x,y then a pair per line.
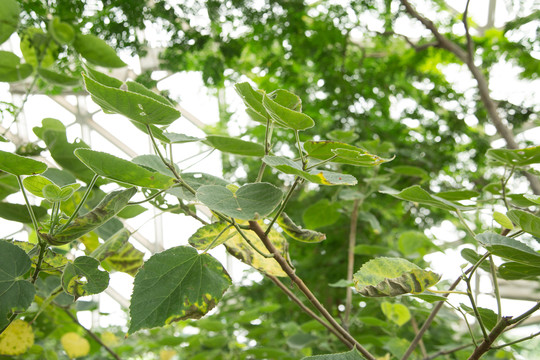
x,y
483,88
307,310
446,352
485,346
420,343
350,262
305,290
92,335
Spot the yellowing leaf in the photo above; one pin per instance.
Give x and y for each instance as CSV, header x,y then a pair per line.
x,y
16,339
75,345
397,313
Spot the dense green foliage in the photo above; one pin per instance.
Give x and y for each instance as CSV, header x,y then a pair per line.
x,y
358,134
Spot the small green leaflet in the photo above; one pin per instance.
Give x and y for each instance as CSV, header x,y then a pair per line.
x,y
508,248
397,313
296,232
391,277
526,221
234,146
11,69
176,284
503,220
124,171
207,234
62,32
250,201
140,108
54,193
351,355
321,177
106,209
87,267
20,165
418,195
97,51
9,19
239,248
15,294
322,213
518,157
489,318
284,108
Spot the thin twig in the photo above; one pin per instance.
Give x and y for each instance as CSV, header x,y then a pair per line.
x,y
92,335
517,341
305,290
446,352
421,343
307,310
283,204
470,45
350,262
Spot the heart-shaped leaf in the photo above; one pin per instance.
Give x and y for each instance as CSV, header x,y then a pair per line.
x,y
418,195
15,294
296,232
97,51
176,284
391,277
11,69
141,108
238,247
509,248
86,267
250,201
518,157
124,171
280,108
36,184
20,165
321,177
53,193
526,221
234,146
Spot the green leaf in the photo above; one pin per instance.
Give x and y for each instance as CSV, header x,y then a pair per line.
x,y
238,247
131,211
106,209
533,198
19,213
489,318
176,284
52,261
411,171
116,253
111,245
508,248
517,271
140,108
457,195
20,165
503,220
322,213
350,355
16,295
253,100
11,69
251,201
473,257
154,162
518,157
35,184
8,185
175,138
391,277
82,277
54,77
53,133
9,19
97,51
37,49
430,298
414,243
296,232
526,221
397,313
281,106
205,235
371,219
321,177
124,171
61,32
3,139
59,177
143,90
346,136
345,153
234,145
195,180
53,193
418,195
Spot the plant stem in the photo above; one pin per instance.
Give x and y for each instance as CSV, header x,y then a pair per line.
x,y
485,346
10,320
446,292
320,163
504,182
42,249
526,314
305,290
250,243
495,286
267,137
283,204
81,203
92,335
29,207
304,162
464,223
446,352
147,199
517,341
308,311
350,262
421,343
475,309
